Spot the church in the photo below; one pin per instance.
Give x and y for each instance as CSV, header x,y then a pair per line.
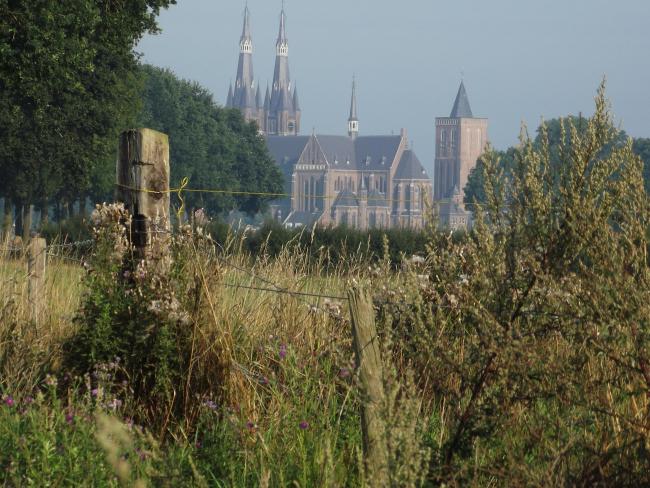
x,y
355,180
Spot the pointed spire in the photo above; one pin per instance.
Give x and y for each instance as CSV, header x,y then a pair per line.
x,y
258,100
267,99
246,31
244,91
282,34
353,121
229,99
461,107
296,102
353,101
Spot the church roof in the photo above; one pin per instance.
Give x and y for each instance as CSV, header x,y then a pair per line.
x,y
365,153
346,199
410,168
461,107
376,153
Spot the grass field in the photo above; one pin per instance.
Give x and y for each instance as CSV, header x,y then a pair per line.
x,y
291,414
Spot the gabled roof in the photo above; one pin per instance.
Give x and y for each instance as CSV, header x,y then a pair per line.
x,y
461,107
338,149
346,199
410,168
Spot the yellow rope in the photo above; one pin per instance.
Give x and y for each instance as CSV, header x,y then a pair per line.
x,y
185,182
179,191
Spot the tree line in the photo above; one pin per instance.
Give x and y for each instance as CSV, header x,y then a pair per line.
x,y
70,81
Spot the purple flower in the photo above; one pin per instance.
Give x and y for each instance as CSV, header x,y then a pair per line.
x,y
264,381
69,418
250,425
283,351
9,401
198,444
344,372
210,404
94,392
28,400
304,425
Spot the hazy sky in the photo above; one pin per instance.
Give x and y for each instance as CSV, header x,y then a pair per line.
x,y
522,59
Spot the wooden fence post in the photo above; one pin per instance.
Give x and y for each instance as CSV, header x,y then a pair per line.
x,y
368,357
36,259
143,187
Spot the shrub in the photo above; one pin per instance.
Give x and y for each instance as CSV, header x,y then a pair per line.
x,y
146,312
532,334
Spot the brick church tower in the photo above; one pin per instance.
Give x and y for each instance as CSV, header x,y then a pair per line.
x,y
460,140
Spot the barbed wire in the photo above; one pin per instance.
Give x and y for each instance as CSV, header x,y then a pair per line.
x,y
66,258
69,245
284,291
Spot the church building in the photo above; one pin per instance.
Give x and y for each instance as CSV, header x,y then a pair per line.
x,y
357,180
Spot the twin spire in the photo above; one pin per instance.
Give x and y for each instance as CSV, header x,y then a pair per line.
x,y
279,114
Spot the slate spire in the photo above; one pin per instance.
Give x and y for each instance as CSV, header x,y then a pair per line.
x,y
296,102
461,107
284,115
246,31
267,99
353,120
353,101
244,96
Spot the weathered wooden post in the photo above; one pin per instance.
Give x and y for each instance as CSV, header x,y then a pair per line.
x,y
368,357
36,260
143,187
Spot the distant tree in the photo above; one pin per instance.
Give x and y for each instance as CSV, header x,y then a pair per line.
x,y
559,137
212,146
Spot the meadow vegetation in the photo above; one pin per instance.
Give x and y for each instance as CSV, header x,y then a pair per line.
x,y
515,354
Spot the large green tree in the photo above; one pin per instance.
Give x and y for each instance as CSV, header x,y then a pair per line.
x,y
213,147
67,85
